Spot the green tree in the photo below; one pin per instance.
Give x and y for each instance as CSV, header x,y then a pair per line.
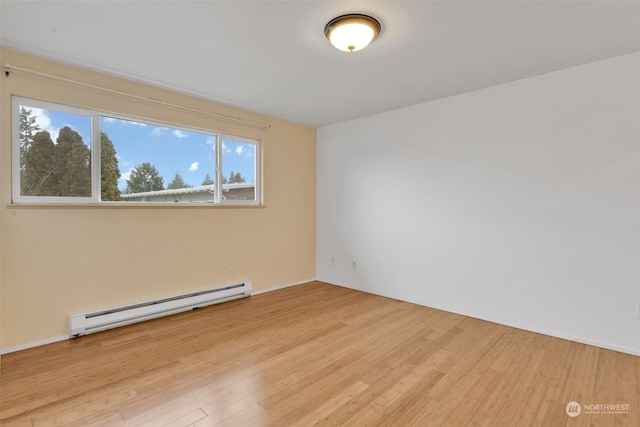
x,y
38,178
28,129
144,177
236,177
72,160
178,182
109,170
207,180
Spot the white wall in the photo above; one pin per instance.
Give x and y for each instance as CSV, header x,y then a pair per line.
x,y
518,203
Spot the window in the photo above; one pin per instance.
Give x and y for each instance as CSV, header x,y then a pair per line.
x,y
238,168
70,155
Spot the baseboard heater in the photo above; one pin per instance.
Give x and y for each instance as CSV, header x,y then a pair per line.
x,y
87,323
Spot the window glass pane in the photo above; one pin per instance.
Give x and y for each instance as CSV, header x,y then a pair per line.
x,y
238,170
150,163
55,153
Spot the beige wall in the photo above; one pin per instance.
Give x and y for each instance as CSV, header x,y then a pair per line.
x,y
3,113
61,260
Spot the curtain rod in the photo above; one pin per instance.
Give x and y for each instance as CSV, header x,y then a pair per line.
x,y
8,68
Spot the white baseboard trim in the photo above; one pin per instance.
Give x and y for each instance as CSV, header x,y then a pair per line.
x,y
288,285
561,335
555,334
33,344
66,337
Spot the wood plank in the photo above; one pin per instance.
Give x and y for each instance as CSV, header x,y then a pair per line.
x,y
625,390
321,355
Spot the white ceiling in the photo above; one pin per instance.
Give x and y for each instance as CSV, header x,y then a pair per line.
x,y
272,56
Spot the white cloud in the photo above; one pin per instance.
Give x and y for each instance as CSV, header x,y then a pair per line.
x,y
44,122
42,119
54,133
225,149
121,122
239,149
157,131
179,134
126,175
211,140
194,166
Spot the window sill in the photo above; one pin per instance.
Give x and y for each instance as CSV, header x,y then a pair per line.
x,y
130,205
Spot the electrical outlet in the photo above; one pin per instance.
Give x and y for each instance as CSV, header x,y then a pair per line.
x,y
354,265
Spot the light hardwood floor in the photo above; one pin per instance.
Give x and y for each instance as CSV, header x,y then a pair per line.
x,y
316,354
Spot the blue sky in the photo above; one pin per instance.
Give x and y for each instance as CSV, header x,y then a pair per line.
x,y
170,150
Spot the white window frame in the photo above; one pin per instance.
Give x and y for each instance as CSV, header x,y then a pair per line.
x,y
96,189
15,154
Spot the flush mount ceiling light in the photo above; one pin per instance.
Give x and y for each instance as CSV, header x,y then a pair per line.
x,y
352,32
